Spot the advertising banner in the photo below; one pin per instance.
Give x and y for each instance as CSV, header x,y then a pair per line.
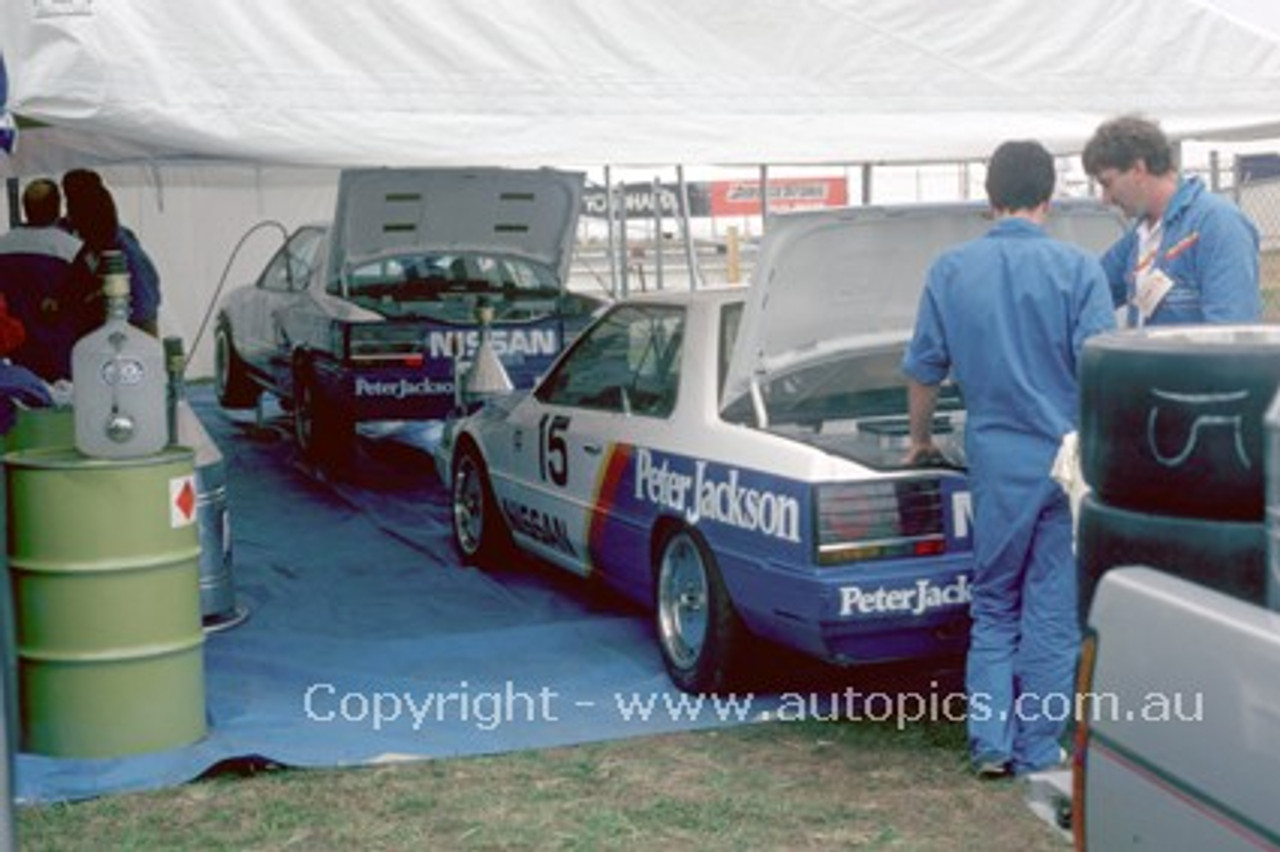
x,y
638,200
742,197
716,198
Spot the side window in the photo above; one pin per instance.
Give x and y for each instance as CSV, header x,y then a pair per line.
x,y
629,362
292,266
730,320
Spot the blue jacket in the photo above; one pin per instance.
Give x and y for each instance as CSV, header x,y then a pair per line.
x,y
1209,249
144,289
85,307
1007,316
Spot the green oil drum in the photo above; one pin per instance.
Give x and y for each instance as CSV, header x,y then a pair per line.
x,y
41,427
103,559
33,427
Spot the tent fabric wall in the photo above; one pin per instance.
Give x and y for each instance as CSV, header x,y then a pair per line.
x,y
594,82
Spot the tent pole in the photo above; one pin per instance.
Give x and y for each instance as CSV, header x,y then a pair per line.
x,y
764,197
8,745
11,192
611,238
624,272
690,257
658,278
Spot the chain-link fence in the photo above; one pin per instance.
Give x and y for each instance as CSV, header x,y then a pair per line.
x,y
1260,200
728,254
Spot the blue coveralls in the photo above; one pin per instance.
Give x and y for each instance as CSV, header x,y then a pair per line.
x,y
1007,316
1209,249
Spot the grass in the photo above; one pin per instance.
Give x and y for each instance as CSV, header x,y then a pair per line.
x,y
781,785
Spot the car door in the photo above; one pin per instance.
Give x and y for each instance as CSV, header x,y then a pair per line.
x,y
616,386
265,340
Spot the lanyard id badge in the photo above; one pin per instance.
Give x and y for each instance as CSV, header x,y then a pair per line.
x,y
1151,287
1150,284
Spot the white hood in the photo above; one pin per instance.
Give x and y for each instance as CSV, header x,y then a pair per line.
x,y
531,213
829,281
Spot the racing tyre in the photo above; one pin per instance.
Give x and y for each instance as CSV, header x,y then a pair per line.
x,y
234,387
1171,418
325,436
703,640
479,532
1228,556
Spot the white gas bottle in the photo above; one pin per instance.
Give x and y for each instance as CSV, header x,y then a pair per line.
x,y
119,383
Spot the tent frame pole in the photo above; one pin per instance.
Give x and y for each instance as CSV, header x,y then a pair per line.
x,y
690,253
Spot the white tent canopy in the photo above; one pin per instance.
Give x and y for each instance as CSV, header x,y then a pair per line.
x,y
591,82
207,118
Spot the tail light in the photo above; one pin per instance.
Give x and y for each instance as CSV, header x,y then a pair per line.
x,y
860,521
382,342
1084,688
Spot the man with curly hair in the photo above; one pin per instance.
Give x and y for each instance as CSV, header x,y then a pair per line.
x,y
1191,256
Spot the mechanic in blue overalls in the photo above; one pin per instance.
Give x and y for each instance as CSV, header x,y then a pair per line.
x,y
1191,256
1006,316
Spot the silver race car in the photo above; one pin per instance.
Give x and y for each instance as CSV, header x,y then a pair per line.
x,y
733,458
364,318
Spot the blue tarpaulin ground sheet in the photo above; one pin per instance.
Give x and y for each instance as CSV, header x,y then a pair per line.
x,y
366,641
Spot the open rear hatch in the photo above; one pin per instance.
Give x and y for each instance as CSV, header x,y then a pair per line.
x,y
832,306
530,213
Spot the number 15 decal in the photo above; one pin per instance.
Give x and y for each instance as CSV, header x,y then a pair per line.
x,y
553,453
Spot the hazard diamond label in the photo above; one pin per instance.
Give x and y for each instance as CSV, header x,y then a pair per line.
x,y
182,501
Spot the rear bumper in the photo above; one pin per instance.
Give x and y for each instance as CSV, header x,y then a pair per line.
x,y
874,612
391,392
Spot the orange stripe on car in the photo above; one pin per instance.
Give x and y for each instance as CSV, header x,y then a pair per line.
x,y
606,490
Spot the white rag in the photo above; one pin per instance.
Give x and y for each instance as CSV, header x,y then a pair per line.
x,y
1066,472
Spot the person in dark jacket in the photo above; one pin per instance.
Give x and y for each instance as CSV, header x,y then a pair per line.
x,y
93,216
19,386
91,212
35,267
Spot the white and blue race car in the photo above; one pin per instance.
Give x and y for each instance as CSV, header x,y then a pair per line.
x,y
733,458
